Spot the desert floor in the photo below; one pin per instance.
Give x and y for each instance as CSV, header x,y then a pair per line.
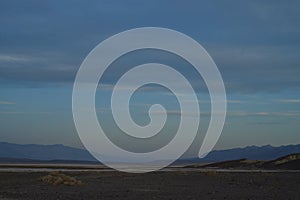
x,y
156,185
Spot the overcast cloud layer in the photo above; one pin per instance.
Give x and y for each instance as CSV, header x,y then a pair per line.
x,y
254,43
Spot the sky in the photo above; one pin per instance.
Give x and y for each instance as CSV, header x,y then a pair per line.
x,y
255,44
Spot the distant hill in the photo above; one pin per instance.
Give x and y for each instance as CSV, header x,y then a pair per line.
x,y
289,162
29,152
267,152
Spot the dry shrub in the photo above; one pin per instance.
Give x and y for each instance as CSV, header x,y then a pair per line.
x,y
211,173
57,178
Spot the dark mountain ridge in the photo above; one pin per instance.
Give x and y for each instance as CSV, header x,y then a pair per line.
x,y
43,152
64,154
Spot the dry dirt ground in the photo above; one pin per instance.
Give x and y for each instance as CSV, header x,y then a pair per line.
x,y
156,185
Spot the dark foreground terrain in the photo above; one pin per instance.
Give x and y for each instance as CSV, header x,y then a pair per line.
x,y
156,185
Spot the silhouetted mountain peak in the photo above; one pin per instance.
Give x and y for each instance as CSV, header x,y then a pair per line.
x,y
43,152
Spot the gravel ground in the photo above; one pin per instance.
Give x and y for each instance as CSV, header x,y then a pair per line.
x,y
157,185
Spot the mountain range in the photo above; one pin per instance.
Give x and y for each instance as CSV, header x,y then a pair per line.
x,y
60,153
43,152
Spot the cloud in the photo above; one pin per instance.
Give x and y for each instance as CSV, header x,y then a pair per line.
x,y
263,114
11,58
176,113
25,113
235,113
258,51
21,58
7,103
289,100
111,87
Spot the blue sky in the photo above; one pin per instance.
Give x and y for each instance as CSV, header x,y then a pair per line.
x,y
255,44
